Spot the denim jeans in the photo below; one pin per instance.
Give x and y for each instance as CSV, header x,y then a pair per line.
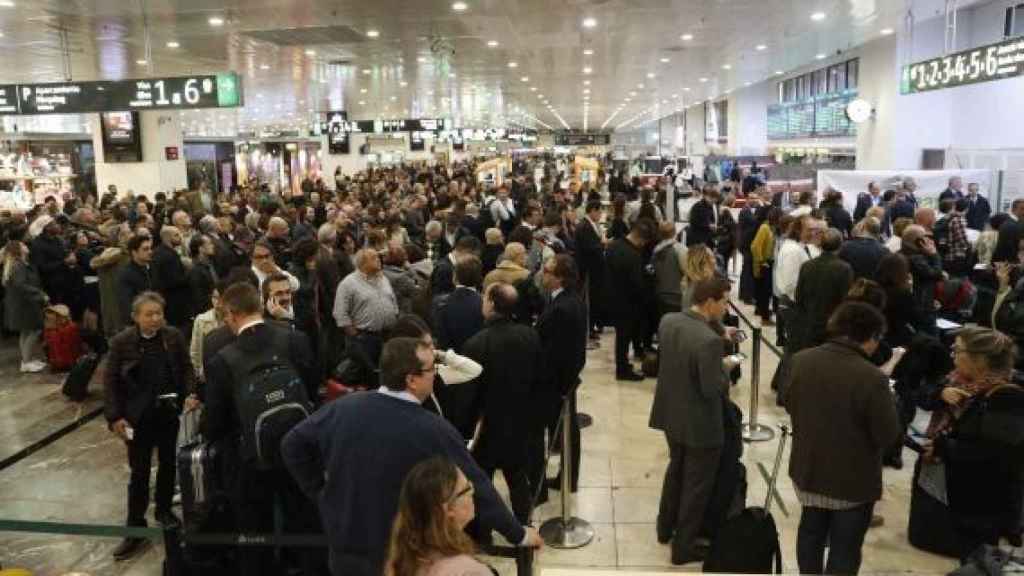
x,y
841,530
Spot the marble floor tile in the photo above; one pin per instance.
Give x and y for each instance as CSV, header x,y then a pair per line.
x,y
591,504
601,552
631,472
636,505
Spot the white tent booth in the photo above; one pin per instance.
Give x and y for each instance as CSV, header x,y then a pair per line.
x,y
930,183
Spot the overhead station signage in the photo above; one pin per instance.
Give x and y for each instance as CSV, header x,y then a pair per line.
x,y
173,93
338,122
818,117
983,64
582,139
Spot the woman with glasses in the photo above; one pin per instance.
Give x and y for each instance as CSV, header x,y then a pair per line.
x,y
979,437
428,537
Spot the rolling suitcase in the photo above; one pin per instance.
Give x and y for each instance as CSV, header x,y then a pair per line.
x,y
749,542
76,383
931,523
199,475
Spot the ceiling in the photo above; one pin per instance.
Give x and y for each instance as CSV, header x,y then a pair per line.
x,y
298,57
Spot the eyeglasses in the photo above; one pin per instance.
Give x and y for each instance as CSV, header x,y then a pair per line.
x,y
425,371
467,490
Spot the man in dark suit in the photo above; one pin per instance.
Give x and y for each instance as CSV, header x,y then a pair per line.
x,y
1009,234
978,208
136,276
867,200
704,219
865,250
146,382
511,356
252,489
590,259
459,316
563,334
748,226
954,191
442,279
171,280
688,407
627,289
822,284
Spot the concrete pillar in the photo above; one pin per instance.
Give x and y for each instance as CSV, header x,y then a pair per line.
x,y
160,131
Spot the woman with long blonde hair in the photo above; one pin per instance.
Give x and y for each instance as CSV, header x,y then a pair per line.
x,y
700,265
24,301
427,538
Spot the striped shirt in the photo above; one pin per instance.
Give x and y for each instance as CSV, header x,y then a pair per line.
x,y
812,500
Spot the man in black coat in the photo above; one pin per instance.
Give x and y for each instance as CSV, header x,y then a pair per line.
x,y
511,356
864,251
442,279
748,226
867,200
136,276
954,191
459,316
704,217
1009,234
978,209
590,259
147,382
52,259
253,490
563,334
171,280
626,288
822,284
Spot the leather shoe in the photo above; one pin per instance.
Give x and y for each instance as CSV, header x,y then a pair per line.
x,y
130,547
664,538
894,462
694,555
630,376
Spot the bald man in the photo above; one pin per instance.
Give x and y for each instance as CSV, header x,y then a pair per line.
x,y
926,271
280,240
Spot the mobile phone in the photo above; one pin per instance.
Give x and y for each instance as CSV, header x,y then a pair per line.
x,y
737,358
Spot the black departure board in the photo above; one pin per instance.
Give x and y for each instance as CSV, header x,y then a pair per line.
x,y
183,92
581,139
819,117
9,99
983,64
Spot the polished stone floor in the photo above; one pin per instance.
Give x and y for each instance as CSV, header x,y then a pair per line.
x,y
83,477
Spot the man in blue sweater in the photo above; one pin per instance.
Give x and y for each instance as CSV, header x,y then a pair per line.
x,y
352,455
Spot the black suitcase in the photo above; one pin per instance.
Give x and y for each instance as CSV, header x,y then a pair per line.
x,y
201,480
76,383
749,542
931,524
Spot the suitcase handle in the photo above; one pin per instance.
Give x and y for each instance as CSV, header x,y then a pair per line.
x,y
784,434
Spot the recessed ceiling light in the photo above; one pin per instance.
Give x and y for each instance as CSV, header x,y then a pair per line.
x,y
686,89
173,44
675,95
362,90
632,93
887,31
726,66
422,59
492,43
362,102
403,83
588,70
451,74
628,100
818,16
216,21
665,60
779,72
820,57
760,47
513,65
524,79
586,90
372,33
586,82
747,84
264,66
310,52
650,75
703,80
459,6
686,37
394,98
533,88
367,71
588,52
141,62
589,22
640,86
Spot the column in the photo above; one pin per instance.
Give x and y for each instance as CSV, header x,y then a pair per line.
x,y
158,171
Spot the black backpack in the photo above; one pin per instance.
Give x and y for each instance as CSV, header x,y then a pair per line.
x,y
270,397
486,218
76,383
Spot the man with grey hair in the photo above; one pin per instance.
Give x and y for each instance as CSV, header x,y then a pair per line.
x,y
925,271
908,187
148,380
365,307
279,239
822,284
171,280
432,239
865,250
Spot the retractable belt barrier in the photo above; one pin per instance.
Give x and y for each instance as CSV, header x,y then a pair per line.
x,y
754,431
50,439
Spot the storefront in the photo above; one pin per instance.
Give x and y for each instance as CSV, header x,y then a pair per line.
x,y
212,163
280,165
31,170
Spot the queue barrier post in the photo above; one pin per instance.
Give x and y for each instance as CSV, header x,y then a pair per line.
x,y
752,430
566,531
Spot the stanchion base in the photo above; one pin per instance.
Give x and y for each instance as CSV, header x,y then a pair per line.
x,y
757,433
584,420
577,533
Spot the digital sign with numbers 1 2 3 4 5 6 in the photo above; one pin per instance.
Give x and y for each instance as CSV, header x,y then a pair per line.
x,y
986,63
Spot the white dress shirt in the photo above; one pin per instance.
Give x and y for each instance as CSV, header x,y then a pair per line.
x,y
792,257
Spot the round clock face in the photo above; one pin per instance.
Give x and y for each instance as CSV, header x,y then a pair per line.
x,y
858,111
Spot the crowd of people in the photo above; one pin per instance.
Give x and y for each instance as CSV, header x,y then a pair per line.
x,y
453,319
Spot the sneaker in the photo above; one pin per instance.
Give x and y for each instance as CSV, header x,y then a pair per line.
x,y
130,547
33,366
